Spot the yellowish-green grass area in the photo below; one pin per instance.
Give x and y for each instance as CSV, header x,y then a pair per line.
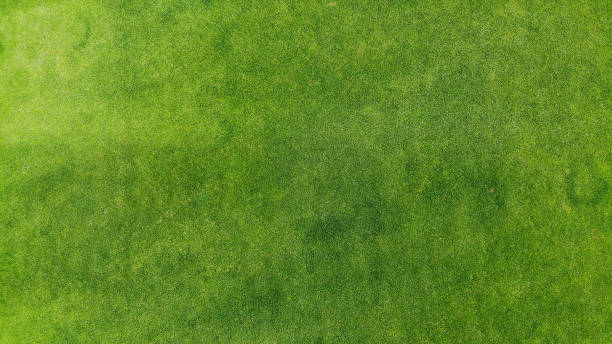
x,y
278,171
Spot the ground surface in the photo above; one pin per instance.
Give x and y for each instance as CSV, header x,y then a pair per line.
x,y
305,172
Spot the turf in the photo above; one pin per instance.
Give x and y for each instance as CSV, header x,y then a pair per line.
x,y
357,171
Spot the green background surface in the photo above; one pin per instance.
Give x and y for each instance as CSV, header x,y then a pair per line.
x,y
305,172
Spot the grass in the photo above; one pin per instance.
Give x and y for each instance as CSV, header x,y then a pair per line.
x,y
273,171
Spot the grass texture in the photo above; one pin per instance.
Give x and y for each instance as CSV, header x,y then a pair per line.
x,y
275,171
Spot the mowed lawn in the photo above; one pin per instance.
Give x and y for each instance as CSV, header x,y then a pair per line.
x,y
279,171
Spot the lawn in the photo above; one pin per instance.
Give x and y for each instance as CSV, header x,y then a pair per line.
x,y
278,171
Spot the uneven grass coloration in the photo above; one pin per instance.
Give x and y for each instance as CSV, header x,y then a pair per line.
x,y
276,171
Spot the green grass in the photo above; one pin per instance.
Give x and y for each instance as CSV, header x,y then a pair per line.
x,y
364,171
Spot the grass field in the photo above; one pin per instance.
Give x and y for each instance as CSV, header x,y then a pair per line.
x,y
275,171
